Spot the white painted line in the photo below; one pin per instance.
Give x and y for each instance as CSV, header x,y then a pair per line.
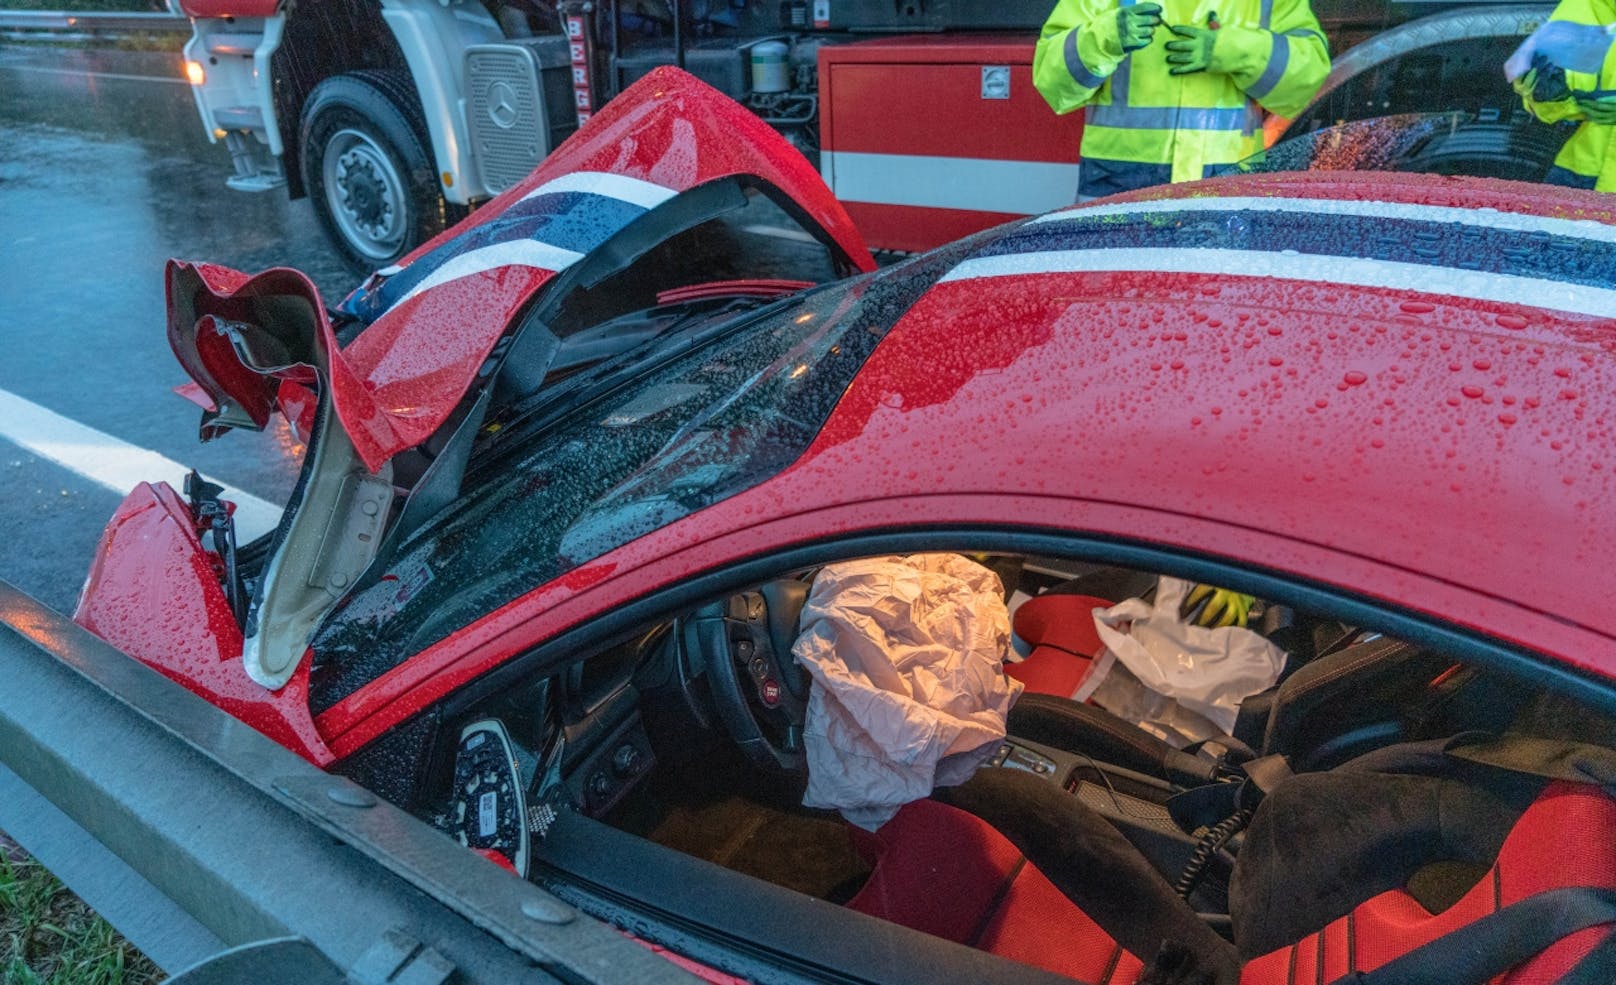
x,y
972,183
86,75
795,235
116,464
1522,222
1315,268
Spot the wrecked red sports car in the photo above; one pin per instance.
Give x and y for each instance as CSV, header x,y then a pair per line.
x,y
582,481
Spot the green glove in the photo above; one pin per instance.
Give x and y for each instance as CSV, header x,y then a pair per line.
x,y
1137,24
1192,50
1217,606
1601,111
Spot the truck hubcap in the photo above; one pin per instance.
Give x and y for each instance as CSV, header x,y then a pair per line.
x,y
365,194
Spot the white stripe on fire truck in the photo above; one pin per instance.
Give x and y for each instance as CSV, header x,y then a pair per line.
x,y
971,183
515,253
1489,218
1314,268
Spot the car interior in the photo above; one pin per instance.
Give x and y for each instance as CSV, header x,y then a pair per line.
x,y
1381,795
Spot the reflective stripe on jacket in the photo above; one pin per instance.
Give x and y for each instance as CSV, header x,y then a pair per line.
x,y
1588,153
1142,122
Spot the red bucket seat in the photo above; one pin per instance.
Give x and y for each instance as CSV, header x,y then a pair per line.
x,y
1060,630
1340,873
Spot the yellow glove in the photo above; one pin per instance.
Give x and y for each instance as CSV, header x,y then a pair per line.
x,y
1209,606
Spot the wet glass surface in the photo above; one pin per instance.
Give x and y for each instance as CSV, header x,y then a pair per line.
x,y
657,444
1425,143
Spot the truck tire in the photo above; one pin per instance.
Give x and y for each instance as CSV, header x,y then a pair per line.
x,y
368,166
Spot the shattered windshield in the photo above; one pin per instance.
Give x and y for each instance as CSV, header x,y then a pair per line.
x,y
728,409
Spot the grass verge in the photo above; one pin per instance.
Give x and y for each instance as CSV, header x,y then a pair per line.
x,y
48,936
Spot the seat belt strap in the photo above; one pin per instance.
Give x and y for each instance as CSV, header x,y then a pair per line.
x,y
1478,952
1552,759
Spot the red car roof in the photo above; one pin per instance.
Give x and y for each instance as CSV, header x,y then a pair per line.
x,y
1366,363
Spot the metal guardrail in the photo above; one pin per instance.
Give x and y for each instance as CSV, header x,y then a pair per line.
x,y
227,858
78,23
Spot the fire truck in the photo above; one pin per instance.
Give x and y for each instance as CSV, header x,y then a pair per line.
x,y
397,116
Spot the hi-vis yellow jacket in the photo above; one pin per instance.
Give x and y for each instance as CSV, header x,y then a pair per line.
x,y
1146,127
1588,154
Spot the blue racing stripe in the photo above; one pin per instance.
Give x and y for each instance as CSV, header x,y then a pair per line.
x,y
1540,255
576,221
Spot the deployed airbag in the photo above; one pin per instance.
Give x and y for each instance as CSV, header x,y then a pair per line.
x,y
909,690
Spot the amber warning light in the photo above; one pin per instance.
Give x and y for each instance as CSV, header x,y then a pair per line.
x,y
194,73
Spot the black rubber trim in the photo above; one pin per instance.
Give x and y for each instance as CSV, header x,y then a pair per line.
x,y
745,926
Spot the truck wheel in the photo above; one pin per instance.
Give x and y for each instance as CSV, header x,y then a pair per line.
x,y
368,166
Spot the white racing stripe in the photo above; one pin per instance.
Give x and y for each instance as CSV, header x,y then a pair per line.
x,y
1358,271
645,194
535,253
116,464
516,253
1488,218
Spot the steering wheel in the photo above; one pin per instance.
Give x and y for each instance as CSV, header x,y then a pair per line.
x,y
758,690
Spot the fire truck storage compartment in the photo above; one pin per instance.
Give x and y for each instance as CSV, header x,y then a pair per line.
x,y
519,105
929,138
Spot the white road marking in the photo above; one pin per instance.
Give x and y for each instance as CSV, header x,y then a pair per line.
x,y
113,463
1315,268
97,75
1488,218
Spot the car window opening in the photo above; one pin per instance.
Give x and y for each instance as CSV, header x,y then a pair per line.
x,y
687,738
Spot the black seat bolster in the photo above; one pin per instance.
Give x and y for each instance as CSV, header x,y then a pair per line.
x,y
1322,843
1343,673
1096,868
1075,727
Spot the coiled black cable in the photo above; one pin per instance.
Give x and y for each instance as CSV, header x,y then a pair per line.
x,y
1215,838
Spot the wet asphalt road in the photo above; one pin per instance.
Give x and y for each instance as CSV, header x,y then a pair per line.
x,y
105,173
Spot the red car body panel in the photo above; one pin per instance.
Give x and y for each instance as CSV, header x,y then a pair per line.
x,y
1437,453
229,8
1379,186
152,590
399,380
153,593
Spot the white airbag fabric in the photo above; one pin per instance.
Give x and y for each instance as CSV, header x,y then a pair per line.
x,y
1180,681
909,690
